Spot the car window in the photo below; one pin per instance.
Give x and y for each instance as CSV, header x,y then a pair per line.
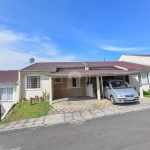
x,y
120,85
106,84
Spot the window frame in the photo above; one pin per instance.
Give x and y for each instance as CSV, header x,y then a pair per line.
x,y
6,87
33,89
58,78
72,86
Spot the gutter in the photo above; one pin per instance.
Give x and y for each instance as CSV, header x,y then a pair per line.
x,y
13,83
91,75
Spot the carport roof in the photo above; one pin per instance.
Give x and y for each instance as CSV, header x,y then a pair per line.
x,y
8,76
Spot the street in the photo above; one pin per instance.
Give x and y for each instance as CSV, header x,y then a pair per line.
x,y
130,131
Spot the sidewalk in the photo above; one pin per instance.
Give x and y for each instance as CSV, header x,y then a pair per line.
x,y
74,117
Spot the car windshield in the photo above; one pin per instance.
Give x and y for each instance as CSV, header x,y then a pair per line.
x,y
120,85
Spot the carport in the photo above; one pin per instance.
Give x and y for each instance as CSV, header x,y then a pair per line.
x,y
100,79
86,72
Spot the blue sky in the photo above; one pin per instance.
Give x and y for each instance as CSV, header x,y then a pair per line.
x,y
72,30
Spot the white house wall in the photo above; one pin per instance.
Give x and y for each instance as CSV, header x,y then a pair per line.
x,y
6,104
145,60
134,82
135,59
27,93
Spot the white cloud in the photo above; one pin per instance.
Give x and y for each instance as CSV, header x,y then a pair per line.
x,y
126,49
17,48
47,38
8,36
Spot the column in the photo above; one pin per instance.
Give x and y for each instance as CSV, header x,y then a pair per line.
x,y
140,86
51,90
98,88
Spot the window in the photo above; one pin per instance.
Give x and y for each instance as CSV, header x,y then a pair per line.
x,y
73,83
33,82
144,78
58,80
6,94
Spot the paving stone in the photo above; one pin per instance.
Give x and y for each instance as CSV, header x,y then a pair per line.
x,y
54,121
22,121
120,111
68,119
28,124
77,117
38,122
68,114
109,112
41,118
99,114
55,116
18,125
76,113
2,126
97,111
31,120
13,123
87,115
8,127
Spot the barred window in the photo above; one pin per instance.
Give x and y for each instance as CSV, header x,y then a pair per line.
x,y
33,82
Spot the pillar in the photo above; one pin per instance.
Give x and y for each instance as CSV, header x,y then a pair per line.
x,y
98,88
140,86
51,90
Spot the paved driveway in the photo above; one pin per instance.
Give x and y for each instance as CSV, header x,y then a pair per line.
x,y
76,104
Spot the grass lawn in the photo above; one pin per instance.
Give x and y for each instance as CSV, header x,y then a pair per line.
x,y
146,94
25,111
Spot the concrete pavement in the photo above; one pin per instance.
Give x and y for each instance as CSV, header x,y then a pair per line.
x,y
130,131
73,117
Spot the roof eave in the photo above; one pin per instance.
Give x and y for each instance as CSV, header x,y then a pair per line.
x,y
10,83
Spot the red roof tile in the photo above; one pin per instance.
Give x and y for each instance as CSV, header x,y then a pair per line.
x,y
57,66
123,64
8,76
51,66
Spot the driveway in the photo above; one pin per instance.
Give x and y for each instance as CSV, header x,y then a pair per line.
x,y
77,104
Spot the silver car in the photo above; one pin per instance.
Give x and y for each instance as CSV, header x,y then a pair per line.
x,y
119,91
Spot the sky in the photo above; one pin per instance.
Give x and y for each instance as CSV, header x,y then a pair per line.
x,y
72,30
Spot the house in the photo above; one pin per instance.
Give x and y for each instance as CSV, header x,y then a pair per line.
x,y
145,76
69,79
9,88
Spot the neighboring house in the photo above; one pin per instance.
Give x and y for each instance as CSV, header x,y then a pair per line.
x,y
70,79
9,88
145,76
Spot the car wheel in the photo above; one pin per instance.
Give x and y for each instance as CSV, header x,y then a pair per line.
x,y
112,100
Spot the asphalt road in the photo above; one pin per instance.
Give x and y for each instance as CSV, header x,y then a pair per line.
x,y
129,131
